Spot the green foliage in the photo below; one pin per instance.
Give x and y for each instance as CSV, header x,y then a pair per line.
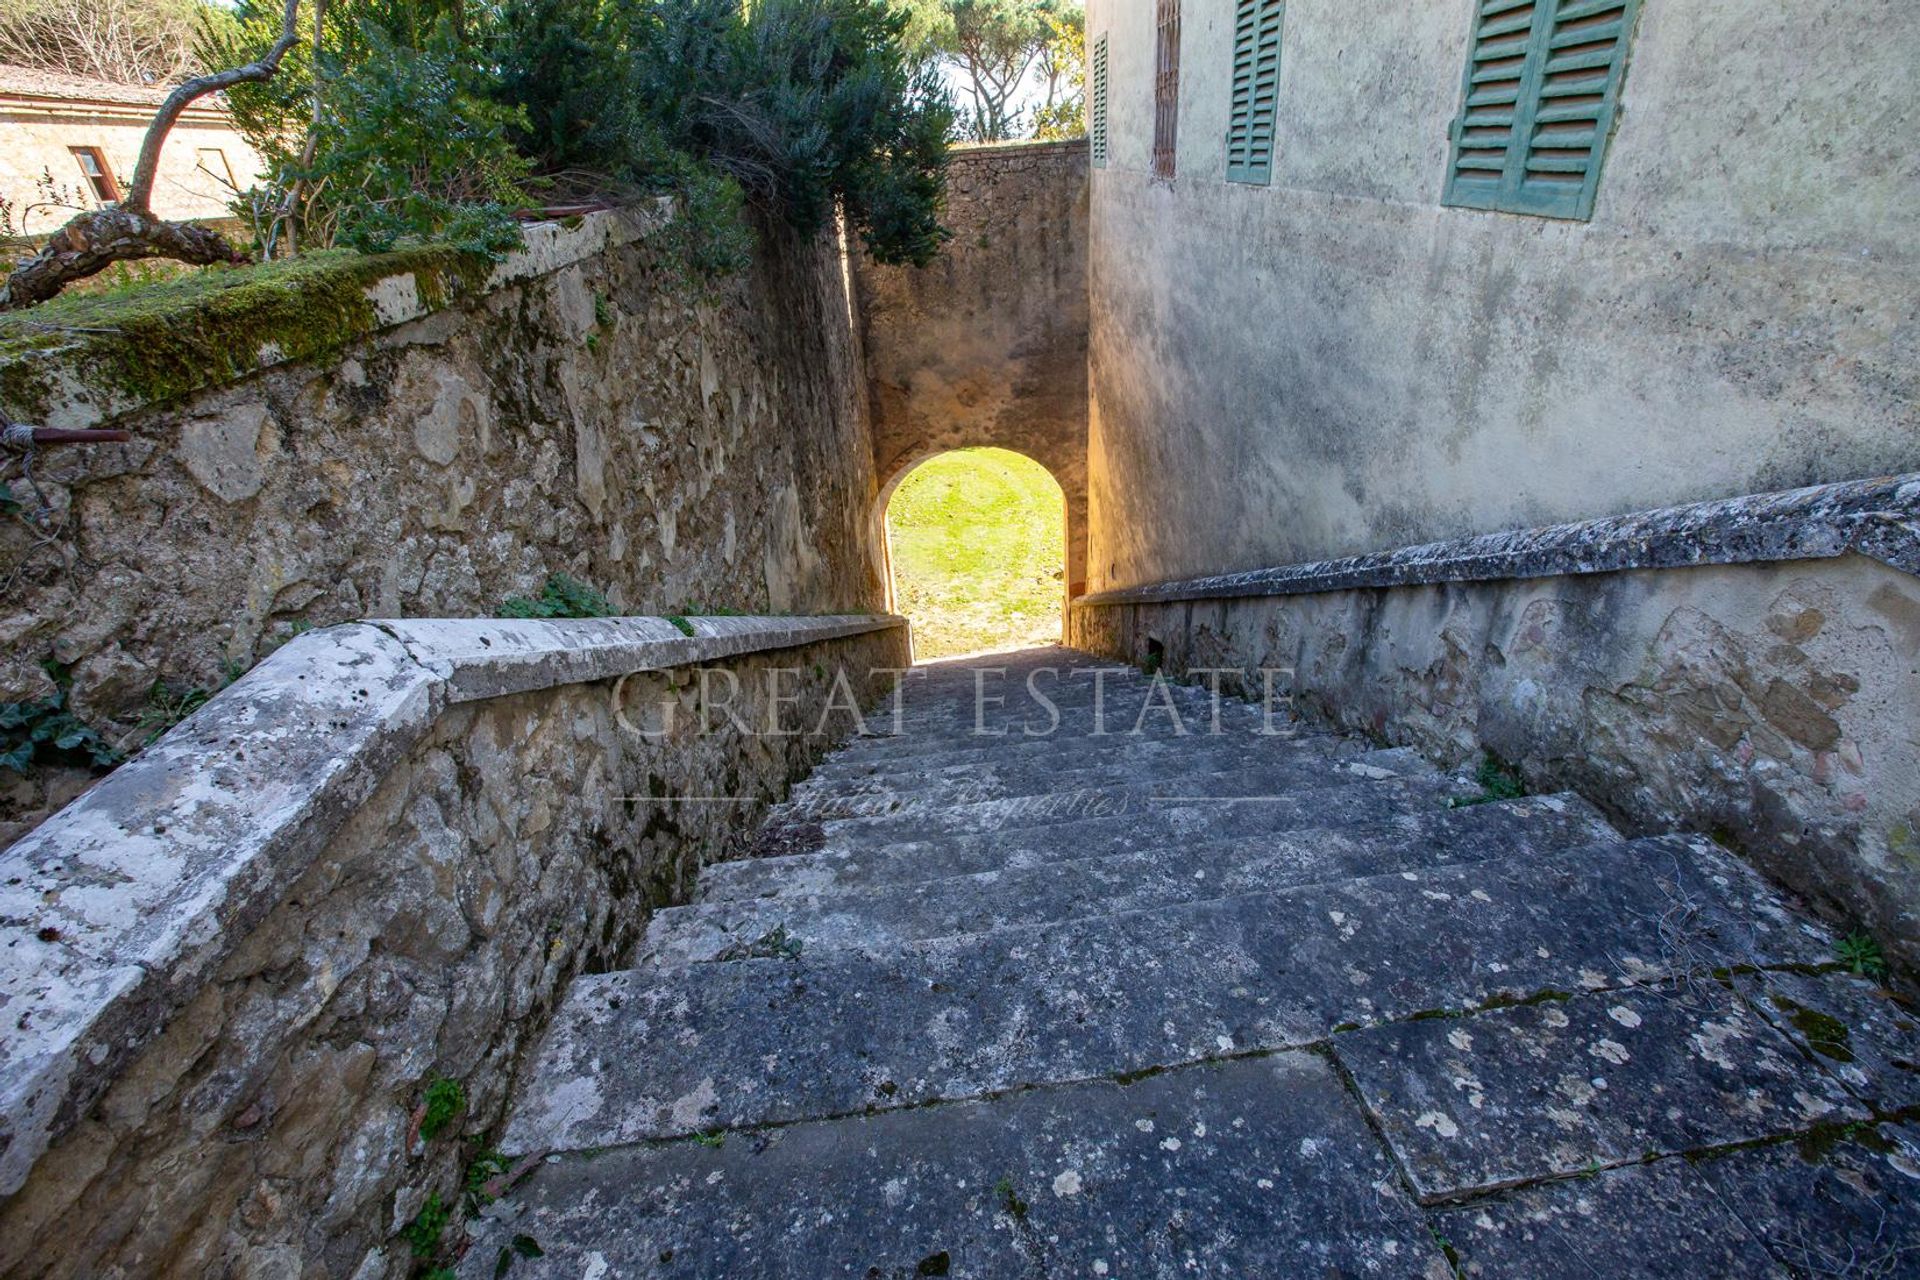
x,y
9,505
423,1233
792,106
410,147
522,1246
481,1170
1861,953
46,732
445,1100
1064,64
995,45
1497,779
564,596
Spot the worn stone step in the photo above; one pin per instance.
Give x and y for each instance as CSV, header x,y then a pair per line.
x,y
892,817
1845,1202
1261,1167
760,1041
1202,774
1566,1085
818,860
956,731
1065,750
1857,1029
890,914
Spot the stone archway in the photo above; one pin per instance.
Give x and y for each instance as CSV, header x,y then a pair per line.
x,y
988,345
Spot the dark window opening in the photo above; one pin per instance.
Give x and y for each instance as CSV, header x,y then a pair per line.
x,y
1166,88
93,167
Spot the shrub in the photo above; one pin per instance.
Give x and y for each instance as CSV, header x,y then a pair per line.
x,y
564,596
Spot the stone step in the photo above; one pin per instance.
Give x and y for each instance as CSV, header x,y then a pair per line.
x,y
1843,1202
1261,1167
957,730
1181,773
819,860
890,914
890,817
753,1042
1571,1085
1065,751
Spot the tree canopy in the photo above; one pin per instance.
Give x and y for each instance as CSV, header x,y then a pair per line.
x,y
997,45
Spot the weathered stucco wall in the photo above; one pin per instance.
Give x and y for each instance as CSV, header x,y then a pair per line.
x,y
247,1106
1337,364
587,412
988,345
1773,704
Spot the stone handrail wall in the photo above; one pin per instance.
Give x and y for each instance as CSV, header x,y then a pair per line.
x,y
230,969
1878,518
1743,668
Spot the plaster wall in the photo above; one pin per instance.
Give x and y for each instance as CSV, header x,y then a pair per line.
x,y
1336,364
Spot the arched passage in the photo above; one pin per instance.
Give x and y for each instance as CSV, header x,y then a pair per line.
x,y
975,542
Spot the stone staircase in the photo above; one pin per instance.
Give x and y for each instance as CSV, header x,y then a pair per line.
x,y
1215,1003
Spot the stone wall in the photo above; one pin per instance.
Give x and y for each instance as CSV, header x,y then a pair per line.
x,y
417,440
988,345
1336,363
1764,698
231,975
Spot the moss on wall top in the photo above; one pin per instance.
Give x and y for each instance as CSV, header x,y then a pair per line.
x,y
154,343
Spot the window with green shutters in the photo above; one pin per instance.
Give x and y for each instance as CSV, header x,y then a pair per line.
x,y
1542,90
1097,104
1256,86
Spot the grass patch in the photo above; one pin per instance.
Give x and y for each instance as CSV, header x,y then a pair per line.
x,y
978,543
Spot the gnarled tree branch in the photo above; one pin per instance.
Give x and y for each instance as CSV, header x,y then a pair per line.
x,y
94,240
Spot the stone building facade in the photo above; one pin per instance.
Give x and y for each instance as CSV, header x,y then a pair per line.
x,y
67,142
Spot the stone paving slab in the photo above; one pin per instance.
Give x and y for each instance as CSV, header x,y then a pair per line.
x,y
952,733
1658,1221
1264,773
1061,752
890,914
1857,1029
1107,830
1839,1206
1514,1095
758,1041
1072,800
1252,1168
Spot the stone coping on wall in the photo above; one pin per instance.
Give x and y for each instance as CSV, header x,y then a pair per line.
x,y
116,910
81,375
1018,146
1879,518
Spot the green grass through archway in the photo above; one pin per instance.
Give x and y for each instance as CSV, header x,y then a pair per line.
x,y
978,543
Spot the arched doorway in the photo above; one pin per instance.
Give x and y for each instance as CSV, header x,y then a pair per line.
x,y
976,552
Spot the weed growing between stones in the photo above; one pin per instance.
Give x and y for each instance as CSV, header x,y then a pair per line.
x,y
1497,780
445,1100
45,731
1861,953
423,1233
563,596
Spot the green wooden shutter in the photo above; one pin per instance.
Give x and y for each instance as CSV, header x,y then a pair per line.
x,y
1542,90
1256,87
1097,105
